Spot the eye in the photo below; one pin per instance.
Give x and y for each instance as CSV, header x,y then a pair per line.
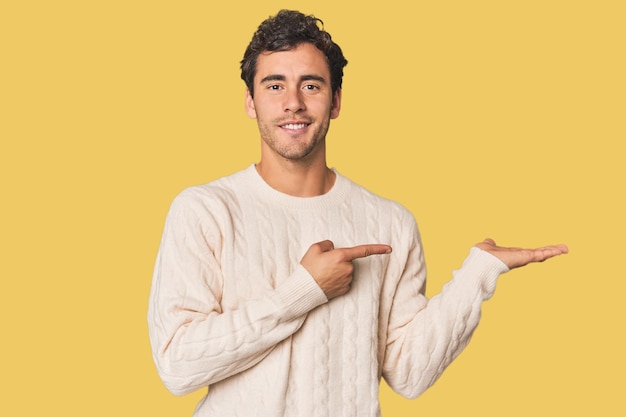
x,y
311,88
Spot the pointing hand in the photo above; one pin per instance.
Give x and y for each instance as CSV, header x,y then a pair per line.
x,y
332,268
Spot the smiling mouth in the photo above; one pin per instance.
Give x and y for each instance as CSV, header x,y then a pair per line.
x,y
294,126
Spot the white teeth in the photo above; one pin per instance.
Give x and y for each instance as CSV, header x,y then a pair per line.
x,y
293,126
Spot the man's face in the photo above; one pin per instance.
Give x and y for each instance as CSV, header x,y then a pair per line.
x,y
293,102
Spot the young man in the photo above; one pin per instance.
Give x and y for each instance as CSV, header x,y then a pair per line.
x,y
277,287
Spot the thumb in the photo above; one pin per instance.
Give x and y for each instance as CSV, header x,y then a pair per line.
x,y
325,245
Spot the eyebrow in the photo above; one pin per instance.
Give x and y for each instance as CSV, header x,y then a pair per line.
x,y
308,77
313,78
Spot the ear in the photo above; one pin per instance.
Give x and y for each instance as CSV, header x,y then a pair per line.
x,y
336,106
250,109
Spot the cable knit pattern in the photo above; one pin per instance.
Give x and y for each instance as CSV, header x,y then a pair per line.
x,y
232,309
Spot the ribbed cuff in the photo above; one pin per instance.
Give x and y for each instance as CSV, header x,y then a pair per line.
x,y
485,267
300,293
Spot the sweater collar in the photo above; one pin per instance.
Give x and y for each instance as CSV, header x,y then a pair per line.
x,y
263,192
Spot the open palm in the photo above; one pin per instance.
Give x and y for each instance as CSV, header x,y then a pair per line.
x,y
516,257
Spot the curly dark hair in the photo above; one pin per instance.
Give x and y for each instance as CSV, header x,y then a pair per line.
x,y
285,31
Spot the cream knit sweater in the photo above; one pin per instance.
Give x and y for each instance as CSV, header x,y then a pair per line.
x,y
232,309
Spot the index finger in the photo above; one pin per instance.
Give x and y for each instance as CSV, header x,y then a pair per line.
x,y
363,251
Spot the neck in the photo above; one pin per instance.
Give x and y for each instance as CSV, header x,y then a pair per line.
x,y
296,179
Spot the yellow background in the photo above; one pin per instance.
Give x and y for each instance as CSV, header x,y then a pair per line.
x,y
484,118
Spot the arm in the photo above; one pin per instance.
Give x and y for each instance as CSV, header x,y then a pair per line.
x,y
425,336
195,342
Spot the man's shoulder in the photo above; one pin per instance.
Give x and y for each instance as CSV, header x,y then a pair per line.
x,y
369,197
221,191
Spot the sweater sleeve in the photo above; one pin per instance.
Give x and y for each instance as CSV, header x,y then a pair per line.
x,y
425,335
195,342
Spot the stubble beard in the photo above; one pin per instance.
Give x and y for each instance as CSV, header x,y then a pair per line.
x,y
298,148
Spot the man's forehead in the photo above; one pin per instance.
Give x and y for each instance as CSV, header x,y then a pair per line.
x,y
303,59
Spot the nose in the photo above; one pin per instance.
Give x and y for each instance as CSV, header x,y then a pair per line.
x,y
294,101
